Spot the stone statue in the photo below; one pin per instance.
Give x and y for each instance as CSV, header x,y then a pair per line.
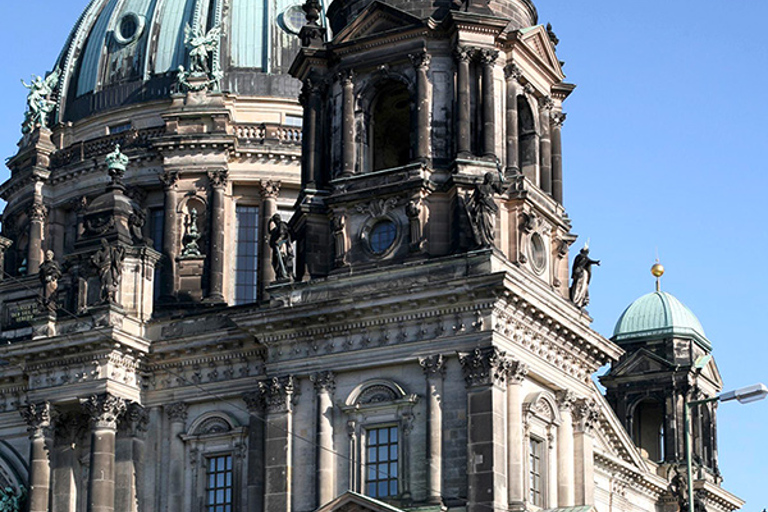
x,y
191,247
108,262
39,102
678,488
282,248
482,209
11,500
200,45
50,273
581,275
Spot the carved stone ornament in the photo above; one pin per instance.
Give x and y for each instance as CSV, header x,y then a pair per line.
x,y
420,59
377,207
324,381
546,103
281,244
512,71
272,395
177,412
40,102
482,209
108,262
135,421
38,417
558,118
104,410
218,178
487,56
433,365
484,366
50,273
191,237
517,372
270,189
565,399
463,53
586,414
37,212
170,179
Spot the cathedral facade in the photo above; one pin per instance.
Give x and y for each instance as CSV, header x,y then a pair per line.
x,y
285,257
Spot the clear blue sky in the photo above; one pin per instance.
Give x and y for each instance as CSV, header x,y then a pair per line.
x,y
664,148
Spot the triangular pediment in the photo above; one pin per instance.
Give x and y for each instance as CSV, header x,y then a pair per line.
x,y
612,439
377,19
351,501
537,40
712,373
641,362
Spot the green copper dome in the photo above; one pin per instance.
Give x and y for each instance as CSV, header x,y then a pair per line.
x,y
658,315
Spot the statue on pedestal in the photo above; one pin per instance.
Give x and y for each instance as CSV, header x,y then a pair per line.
x,y
581,276
50,273
482,209
39,102
108,263
281,243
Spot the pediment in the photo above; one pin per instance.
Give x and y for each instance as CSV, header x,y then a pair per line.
x,y
537,40
712,373
351,501
612,439
377,18
641,362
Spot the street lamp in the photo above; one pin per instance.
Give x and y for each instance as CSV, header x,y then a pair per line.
x,y
745,395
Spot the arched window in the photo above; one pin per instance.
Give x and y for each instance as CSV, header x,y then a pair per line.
x,y
526,129
648,428
390,127
542,418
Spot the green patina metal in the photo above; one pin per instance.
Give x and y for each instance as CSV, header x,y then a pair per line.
x,y
658,315
12,500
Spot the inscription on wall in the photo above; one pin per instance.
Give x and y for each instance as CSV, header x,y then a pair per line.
x,y
19,314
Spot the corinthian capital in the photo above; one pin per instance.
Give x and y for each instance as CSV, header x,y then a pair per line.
x,y
270,189
169,179
104,410
484,366
565,400
38,417
218,178
546,103
512,71
37,211
420,59
586,415
324,381
433,365
177,412
462,53
558,118
272,395
487,56
517,372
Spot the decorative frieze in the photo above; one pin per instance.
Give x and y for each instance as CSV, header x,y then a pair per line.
x,y
484,366
104,410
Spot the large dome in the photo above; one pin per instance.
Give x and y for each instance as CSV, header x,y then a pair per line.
x,y
658,315
124,52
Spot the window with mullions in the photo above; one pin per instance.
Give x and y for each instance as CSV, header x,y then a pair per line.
x,y
381,462
246,266
534,471
219,486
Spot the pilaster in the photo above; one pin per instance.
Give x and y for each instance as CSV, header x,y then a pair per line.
x,y
270,190
545,144
565,451
434,371
177,416
218,179
586,414
516,436
325,384
421,61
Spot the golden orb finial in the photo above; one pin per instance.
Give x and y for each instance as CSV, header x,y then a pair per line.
x,y
657,270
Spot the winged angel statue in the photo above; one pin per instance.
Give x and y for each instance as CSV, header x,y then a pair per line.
x,y
39,102
201,44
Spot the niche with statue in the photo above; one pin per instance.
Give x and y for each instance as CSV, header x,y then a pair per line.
x,y
191,261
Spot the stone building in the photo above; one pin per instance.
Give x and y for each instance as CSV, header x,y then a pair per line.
x,y
277,257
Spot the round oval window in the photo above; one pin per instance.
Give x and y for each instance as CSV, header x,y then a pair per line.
x,y
382,236
129,28
538,253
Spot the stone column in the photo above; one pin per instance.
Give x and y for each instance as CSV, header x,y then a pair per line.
x,y
177,414
347,122
38,419
434,370
485,371
104,410
586,415
487,60
325,383
218,180
5,244
255,477
310,99
558,118
37,213
565,457
421,62
545,145
516,436
269,192
170,234
129,458
70,428
463,142
512,74
276,395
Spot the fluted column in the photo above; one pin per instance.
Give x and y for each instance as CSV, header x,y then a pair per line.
x,y
487,61
463,142
218,180
558,118
421,62
325,383
38,419
485,371
515,435
104,410
170,234
565,458
177,414
512,74
37,213
310,99
347,122
269,192
545,144
434,371
586,415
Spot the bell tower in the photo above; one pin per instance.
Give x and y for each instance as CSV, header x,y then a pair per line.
x,y
667,362
430,132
